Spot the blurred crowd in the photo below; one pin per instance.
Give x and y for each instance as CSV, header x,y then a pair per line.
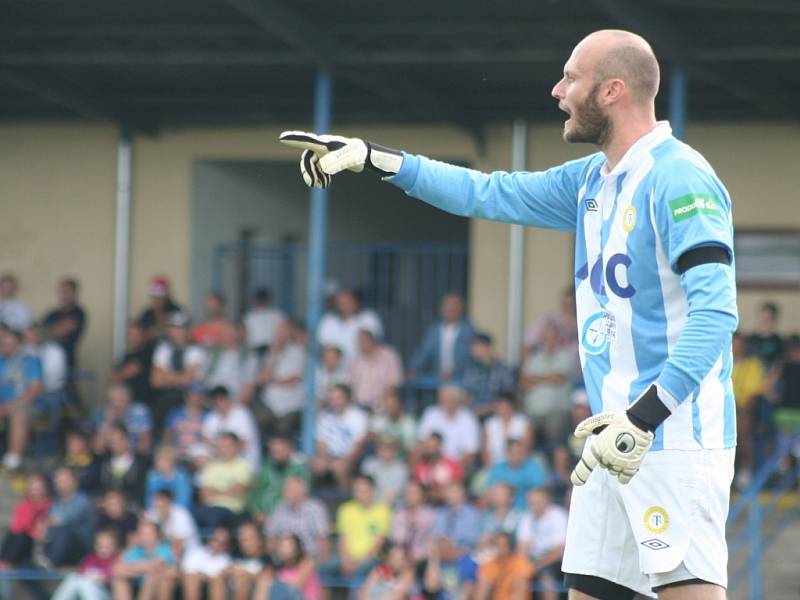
x,y
187,477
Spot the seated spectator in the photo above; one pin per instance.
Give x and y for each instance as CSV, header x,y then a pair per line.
x,y
203,566
22,383
434,470
444,350
455,423
166,474
283,392
507,575
504,425
394,421
78,458
224,482
281,463
485,376
330,371
546,377
261,321
92,580
457,525
115,516
183,427
501,515
374,370
148,563
563,319
412,524
300,515
392,578
340,328
387,469
457,580
65,323
14,312
295,575
541,536
177,364
766,343
68,532
749,381
54,374
134,369
121,408
341,430
247,564
212,331
229,416
176,523
155,317
520,471
567,455
787,394
27,523
120,468
232,365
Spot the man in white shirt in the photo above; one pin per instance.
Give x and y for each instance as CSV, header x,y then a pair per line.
x,y
13,311
457,425
261,321
175,521
541,535
283,392
341,329
233,365
228,416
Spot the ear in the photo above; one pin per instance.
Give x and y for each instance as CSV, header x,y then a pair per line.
x,y
613,90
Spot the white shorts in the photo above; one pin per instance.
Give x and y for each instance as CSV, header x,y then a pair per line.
x,y
668,520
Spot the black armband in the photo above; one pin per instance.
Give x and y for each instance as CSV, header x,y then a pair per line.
x,y
648,412
701,256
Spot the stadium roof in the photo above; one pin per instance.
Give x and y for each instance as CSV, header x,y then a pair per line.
x,y
183,62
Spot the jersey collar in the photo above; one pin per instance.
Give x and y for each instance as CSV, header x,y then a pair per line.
x,y
644,144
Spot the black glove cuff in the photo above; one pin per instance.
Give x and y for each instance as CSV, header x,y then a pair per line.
x,y
383,160
648,412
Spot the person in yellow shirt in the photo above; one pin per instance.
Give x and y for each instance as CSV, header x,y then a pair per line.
x,y
749,379
224,482
506,576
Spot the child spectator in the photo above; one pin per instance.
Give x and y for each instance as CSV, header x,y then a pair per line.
x,y
183,427
78,457
229,416
68,532
167,475
241,575
507,575
294,569
505,424
92,579
224,482
177,524
330,371
389,472
281,463
203,566
115,516
392,578
147,563
26,525
135,416
394,421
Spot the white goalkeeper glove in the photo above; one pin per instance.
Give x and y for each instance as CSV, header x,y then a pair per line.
x,y
621,439
327,155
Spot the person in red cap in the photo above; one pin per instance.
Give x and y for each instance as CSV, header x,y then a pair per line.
x,y
154,318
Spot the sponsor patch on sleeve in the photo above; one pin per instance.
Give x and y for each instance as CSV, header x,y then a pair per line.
x,y
687,206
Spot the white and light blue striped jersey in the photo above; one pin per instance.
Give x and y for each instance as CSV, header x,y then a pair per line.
x,y
631,226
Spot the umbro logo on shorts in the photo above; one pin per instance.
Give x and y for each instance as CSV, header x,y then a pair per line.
x,y
655,544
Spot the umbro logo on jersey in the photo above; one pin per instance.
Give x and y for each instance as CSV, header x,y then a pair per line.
x,y
655,544
591,204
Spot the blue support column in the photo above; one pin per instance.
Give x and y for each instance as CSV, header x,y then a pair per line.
x,y
678,102
315,272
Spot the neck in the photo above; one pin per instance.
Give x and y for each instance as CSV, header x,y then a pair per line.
x,y
624,136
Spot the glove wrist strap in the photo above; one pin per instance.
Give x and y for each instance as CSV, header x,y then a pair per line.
x,y
648,412
383,160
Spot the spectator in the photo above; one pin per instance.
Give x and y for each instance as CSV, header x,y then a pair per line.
x,y
567,455
389,472
68,528
374,370
78,458
341,429
394,421
241,575
749,383
177,364
341,328
121,468
330,371
92,580
183,427
232,365
450,580
54,364
149,562
216,327
766,343
155,317
507,575
227,416
787,413
134,369
392,578
299,515
21,383
176,523
505,424
542,534
166,474
457,525
26,524
546,378
283,392
485,376
563,319
66,322
520,471
434,470
444,350
224,482
412,524
114,516
261,321
204,565
502,516
456,423
13,311
135,416
296,570
267,489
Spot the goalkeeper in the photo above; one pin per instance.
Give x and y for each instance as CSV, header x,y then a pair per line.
x,y
656,304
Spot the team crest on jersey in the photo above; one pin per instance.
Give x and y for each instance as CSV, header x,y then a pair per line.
x,y
629,218
598,332
656,519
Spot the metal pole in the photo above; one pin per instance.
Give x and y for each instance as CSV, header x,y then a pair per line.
x,y
678,101
315,276
122,241
516,253
756,551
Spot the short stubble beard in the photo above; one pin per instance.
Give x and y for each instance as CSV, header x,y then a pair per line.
x,y
590,124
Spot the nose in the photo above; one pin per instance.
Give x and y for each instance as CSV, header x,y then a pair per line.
x,y
556,92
